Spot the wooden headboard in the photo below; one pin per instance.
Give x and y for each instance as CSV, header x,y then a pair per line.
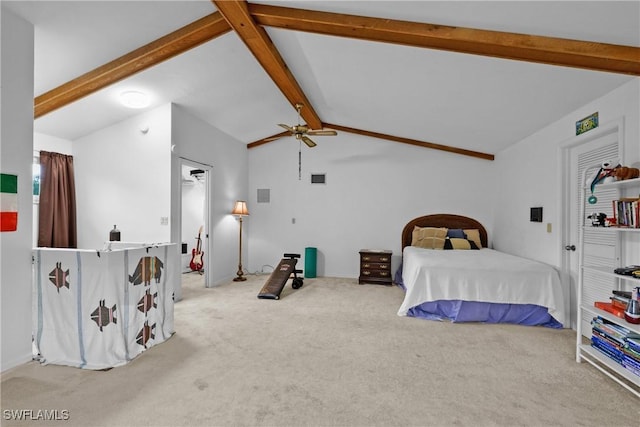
x,y
442,220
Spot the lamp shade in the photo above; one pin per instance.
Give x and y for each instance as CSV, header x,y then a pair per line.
x,y
240,208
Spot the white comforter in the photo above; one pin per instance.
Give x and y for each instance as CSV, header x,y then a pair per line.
x,y
482,275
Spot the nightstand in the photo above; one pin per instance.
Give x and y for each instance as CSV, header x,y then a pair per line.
x,y
375,266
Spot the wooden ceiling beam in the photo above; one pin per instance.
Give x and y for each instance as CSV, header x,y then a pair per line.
x,y
166,47
268,139
462,151
548,50
259,43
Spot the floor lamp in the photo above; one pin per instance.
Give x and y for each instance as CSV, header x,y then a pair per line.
x,y
240,210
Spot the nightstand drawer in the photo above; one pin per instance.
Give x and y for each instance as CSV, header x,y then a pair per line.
x,y
368,257
375,273
375,266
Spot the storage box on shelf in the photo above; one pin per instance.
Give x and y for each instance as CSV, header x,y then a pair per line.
x,y
613,351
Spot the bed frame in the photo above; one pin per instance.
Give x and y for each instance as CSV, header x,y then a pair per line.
x,y
442,220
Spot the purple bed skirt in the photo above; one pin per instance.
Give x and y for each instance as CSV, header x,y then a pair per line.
x,y
473,311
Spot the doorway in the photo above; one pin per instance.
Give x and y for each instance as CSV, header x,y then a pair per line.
x,y
579,154
194,225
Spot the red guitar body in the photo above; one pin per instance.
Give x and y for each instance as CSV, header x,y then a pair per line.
x,y
197,263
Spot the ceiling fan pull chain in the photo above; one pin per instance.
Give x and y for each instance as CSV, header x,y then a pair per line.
x,y
300,161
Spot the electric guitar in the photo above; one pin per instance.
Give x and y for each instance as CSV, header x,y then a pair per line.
x,y
196,254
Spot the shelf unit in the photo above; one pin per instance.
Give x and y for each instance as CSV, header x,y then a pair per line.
x,y
588,276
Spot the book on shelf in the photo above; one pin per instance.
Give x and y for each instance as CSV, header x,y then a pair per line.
x,y
626,212
605,347
614,328
617,343
634,355
606,337
634,344
629,361
631,357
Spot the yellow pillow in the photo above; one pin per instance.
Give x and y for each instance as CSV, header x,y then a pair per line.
x,y
474,234
457,243
428,237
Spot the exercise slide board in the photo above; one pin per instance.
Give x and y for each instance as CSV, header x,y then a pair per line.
x,y
278,279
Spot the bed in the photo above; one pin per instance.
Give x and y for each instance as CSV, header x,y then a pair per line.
x,y
470,282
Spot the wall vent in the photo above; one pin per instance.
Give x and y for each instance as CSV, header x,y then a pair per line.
x,y
264,195
318,178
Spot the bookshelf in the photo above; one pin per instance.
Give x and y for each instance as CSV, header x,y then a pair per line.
x,y
597,280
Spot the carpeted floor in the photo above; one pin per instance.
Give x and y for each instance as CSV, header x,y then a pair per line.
x,y
332,353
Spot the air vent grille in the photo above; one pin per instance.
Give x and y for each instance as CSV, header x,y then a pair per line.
x,y
318,178
264,195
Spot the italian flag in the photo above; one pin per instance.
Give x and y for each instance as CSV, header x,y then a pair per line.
x,y
8,202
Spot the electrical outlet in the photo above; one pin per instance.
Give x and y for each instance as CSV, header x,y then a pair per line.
x,y
164,220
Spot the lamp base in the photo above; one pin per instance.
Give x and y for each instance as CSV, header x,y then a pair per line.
x,y
239,279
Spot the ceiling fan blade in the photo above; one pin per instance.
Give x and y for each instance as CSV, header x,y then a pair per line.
x,y
290,129
308,141
322,132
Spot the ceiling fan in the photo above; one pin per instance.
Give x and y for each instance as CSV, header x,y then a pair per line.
x,y
301,131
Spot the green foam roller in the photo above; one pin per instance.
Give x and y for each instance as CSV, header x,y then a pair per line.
x,y
310,260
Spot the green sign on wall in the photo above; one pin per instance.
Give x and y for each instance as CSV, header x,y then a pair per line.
x,y
587,124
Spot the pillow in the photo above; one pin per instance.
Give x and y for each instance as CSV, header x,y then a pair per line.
x,y
456,243
428,237
456,233
474,235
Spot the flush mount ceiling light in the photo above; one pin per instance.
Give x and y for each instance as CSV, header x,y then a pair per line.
x,y
134,99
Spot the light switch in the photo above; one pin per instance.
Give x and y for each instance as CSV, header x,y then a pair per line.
x,y
548,227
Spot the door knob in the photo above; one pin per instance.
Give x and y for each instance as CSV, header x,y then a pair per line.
x,y
570,247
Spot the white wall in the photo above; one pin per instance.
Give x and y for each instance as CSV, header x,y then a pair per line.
x,y
529,176
197,140
42,142
374,187
16,149
123,178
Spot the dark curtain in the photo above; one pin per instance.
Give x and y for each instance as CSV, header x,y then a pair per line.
x,y
57,228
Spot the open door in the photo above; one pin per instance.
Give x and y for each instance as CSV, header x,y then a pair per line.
x,y
194,223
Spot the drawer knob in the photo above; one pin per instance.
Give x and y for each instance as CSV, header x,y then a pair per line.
x,y
366,273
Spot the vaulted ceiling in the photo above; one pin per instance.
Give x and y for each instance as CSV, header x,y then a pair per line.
x,y
467,77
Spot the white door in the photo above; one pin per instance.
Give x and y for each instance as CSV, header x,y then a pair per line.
x,y
580,153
